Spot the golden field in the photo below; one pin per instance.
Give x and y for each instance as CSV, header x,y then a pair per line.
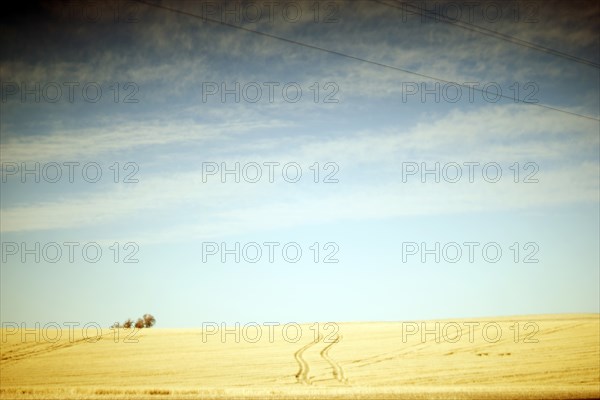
x,y
525,357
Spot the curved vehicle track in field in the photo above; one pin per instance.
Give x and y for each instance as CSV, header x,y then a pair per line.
x,y
338,371
302,374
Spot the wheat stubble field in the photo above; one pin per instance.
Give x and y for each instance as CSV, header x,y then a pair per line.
x,y
555,356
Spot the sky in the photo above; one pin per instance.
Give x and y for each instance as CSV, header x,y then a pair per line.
x,y
352,161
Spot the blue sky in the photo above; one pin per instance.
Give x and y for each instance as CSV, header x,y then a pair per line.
x,y
372,129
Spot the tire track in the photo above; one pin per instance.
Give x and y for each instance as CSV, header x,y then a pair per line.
x,y
25,351
302,374
23,354
393,355
338,371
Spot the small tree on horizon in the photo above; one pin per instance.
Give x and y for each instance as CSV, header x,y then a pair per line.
x,y
149,320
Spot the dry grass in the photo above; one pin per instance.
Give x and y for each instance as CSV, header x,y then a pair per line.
x,y
362,361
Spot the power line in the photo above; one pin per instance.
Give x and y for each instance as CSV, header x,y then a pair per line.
x,y
489,32
337,53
